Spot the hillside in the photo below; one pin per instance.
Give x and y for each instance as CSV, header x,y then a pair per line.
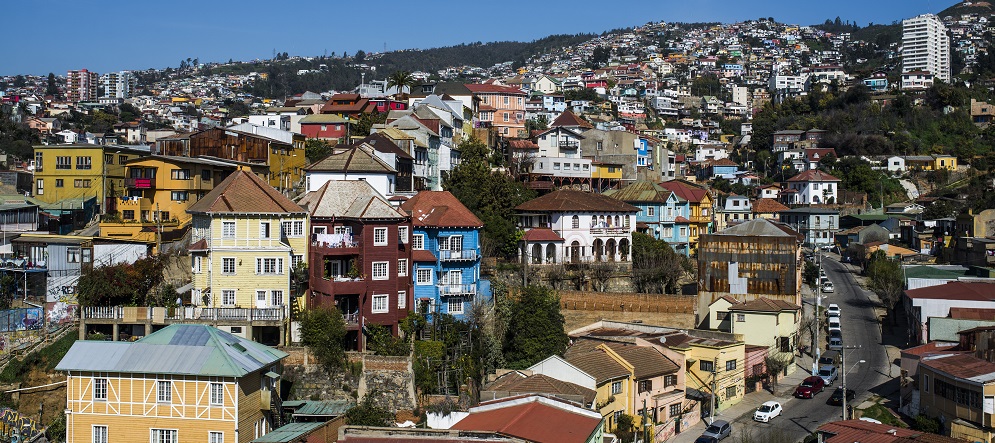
x,y
968,7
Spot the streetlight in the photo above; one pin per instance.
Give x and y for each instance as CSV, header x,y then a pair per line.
x,y
843,381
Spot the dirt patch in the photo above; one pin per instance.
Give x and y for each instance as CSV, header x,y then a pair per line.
x,y
52,397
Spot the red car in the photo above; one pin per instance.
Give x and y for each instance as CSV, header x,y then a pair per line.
x,y
810,386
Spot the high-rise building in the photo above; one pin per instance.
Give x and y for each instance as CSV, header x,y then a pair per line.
x,y
119,84
81,85
926,46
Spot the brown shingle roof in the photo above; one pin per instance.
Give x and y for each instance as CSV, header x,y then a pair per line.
x,y
355,159
596,363
768,206
244,192
570,200
355,199
439,209
541,234
515,383
569,119
813,175
764,304
647,362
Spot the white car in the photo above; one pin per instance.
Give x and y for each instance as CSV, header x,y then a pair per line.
x,y
834,324
827,287
767,411
833,310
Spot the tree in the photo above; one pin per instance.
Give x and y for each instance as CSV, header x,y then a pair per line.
x,y
538,123
8,289
368,413
360,56
380,340
53,87
885,278
534,327
401,80
656,267
600,56
126,284
810,274
316,149
323,332
364,125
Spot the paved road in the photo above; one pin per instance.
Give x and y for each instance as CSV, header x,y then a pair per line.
x,y
862,337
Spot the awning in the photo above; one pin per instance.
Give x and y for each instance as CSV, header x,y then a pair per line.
x,y
272,375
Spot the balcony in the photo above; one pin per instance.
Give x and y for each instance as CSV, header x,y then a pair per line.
x,y
607,232
351,319
447,290
464,255
139,183
188,314
569,145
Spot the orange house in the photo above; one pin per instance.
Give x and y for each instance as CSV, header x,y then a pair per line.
x,y
501,107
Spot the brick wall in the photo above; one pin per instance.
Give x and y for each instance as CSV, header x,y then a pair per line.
x,y
581,308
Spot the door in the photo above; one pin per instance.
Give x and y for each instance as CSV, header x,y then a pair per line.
x,y
454,279
456,245
261,301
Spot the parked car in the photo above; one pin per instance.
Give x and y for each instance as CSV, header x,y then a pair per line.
x,y
767,411
834,323
829,358
833,310
837,398
706,439
835,344
828,374
719,429
810,386
836,333
828,287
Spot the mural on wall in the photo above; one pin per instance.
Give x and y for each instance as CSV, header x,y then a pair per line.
x,y
15,422
62,289
20,319
61,312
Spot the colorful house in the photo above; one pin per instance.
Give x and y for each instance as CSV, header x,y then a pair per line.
x,y
181,383
651,199
64,172
699,207
360,255
325,127
246,238
501,107
445,244
568,226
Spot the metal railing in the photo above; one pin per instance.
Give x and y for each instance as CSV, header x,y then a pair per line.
x,y
466,254
457,289
187,313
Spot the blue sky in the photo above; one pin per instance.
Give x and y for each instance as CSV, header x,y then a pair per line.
x,y
106,35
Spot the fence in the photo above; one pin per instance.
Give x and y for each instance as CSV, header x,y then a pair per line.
x,y
626,302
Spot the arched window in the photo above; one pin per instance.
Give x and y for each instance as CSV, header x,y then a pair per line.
x,y
599,249
575,252
536,253
575,222
610,249
623,249
551,253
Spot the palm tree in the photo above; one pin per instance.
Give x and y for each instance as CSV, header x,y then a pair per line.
x,y
401,79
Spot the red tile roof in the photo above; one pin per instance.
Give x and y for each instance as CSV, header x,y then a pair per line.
x,y
569,119
768,206
685,190
570,200
955,290
813,175
244,193
422,255
522,144
478,88
962,366
972,313
541,234
681,219
850,431
534,418
439,209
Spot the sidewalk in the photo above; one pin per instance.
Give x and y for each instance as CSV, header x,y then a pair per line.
x,y
741,414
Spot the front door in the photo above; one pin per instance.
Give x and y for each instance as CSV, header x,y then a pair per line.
x,y
261,301
454,279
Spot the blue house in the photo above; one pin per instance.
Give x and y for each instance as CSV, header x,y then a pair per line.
x,y
662,214
675,226
445,251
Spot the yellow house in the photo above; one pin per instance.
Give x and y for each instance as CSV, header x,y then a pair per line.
x,y
81,171
764,322
613,379
713,359
948,162
181,383
159,189
246,239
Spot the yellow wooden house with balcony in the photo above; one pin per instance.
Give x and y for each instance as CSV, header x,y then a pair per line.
x,y
182,383
159,189
246,238
82,171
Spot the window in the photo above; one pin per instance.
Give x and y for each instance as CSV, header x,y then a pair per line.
x,y
72,254
380,271
99,434
228,265
730,365
650,211
730,391
100,389
418,241
39,156
121,159
228,297
180,196
402,299
740,317
379,236
402,267
424,277
264,229
270,266
217,394
675,410
706,366
180,174
261,297
556,166
616,387
292,228
215,437
276,297
380,303
506,117
455,305
228,229
40,186
83,163
669,380
109,159
63,162
164,392
164,436
506,100
128,214
402,234
195,263
645,386
925,384
81,183
59,183
296,260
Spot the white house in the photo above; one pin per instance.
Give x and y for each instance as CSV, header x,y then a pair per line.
x,y
710,152
814,187
576,226
356,163
559,142
895,164
935,301
769,191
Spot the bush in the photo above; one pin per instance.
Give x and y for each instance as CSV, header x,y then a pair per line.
x,y
323,332
926,424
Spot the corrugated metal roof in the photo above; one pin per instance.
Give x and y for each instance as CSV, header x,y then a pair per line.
x,y
177,349
289,432
325,407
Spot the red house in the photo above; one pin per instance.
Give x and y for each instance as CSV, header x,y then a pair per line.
x,y
325,126
360,258
387,105
348,105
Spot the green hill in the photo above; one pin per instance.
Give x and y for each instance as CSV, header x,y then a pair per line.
x,y
969,7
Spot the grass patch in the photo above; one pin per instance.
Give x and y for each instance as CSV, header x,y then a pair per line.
x,y
882,414
46,358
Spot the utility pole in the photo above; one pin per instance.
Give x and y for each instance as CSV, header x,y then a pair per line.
x,y
711,407
818,307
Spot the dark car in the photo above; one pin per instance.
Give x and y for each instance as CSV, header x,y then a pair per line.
x,y
706,439
837,398
810,386
719,429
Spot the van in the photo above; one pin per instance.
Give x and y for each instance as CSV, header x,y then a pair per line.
x,y
829,358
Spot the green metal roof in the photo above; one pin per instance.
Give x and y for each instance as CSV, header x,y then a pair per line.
x,y
946,329
289,433
934,272
325,407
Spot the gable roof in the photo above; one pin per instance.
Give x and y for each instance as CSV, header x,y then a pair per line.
x,y
383,143
764,304
768,206
483,88
955,290
596,362
813,175
646,361
533,418
439,209
349,199
571,200
640,191
569,119
244,193
756,227
359,158
685,190
178,349
541,235
516,383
